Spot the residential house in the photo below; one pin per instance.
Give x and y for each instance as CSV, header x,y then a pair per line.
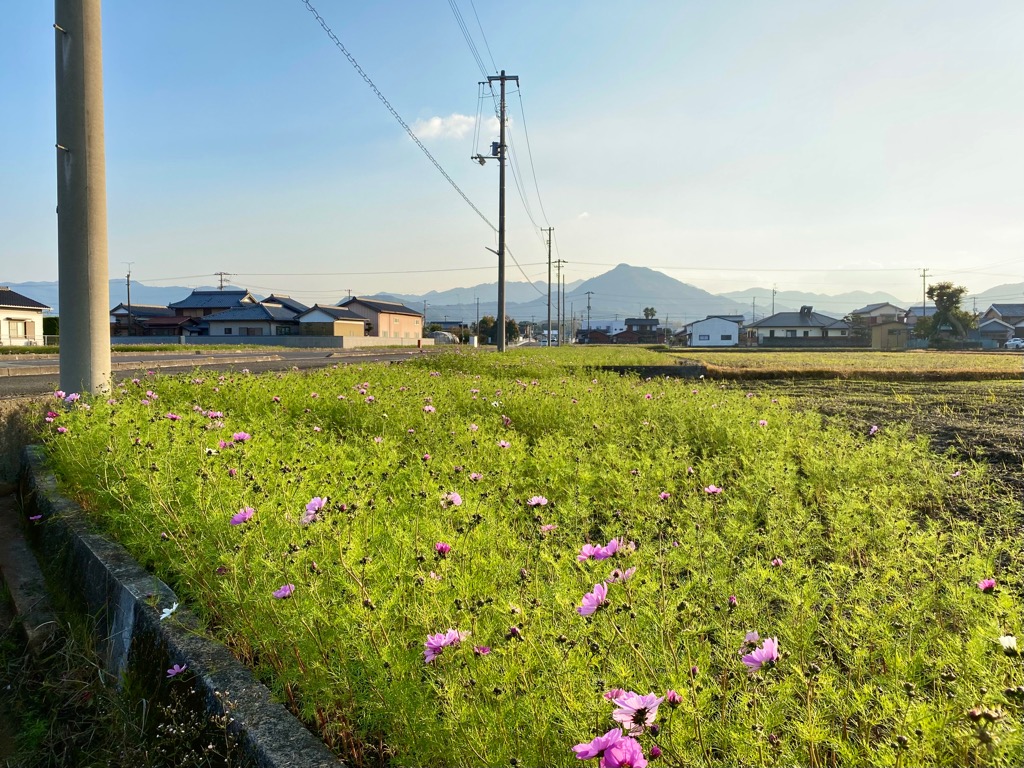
x,y
1010,314
203,303
388,319
22,319
593,336
713,331
803,328
883,312
259,319
331,321
995,330
141,315
626,337
912,314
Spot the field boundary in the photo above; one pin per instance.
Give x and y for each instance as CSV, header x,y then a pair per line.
x,y
126,602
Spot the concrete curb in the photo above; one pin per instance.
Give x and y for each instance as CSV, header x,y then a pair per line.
x,y
199,362
126,602
20,572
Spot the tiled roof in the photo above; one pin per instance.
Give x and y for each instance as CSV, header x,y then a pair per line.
x,y
392,307
338,313
145,310
799,320
872,307
285,301
210,299
1008,310
9,298
252,312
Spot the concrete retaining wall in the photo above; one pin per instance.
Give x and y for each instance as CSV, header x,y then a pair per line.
x,y
291,342
127,601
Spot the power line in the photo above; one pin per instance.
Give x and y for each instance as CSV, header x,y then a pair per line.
x,y
529,152
469,38
355,64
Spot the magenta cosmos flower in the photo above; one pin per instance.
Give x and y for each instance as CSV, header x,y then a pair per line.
x,y
712,489
437,643
504,444
284,591
442,548
598,746
241,437
987,585
625,753
765,655
243,515
593,600
177,669
636,712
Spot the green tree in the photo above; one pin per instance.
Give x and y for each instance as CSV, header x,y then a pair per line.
x,y
650,313
859,327
948,313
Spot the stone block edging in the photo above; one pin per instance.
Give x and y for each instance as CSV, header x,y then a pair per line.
x,y
126,602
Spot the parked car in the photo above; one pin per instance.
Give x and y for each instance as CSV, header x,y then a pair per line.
x,y
1015,343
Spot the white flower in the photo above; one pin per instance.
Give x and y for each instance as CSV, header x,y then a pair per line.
x,y
166,614
1009,643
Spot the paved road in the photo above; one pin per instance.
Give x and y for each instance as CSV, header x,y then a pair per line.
x,y
25,383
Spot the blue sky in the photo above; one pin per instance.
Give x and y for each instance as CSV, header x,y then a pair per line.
x,y
795,143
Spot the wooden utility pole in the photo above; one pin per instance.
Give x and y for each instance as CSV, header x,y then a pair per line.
x,y
82,268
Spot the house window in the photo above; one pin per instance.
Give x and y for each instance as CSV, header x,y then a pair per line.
x,y
283,330
704,337
842,333
16,329
806,334
227,331
791,334
250,331
726,337
771,334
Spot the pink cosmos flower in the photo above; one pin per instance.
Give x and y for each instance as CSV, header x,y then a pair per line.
x,y
284,591
537,501
636,712
475,476
504,444
454,499
648,396
314,395
371,399
751,638
548,527
587,552
312,508
50,416
317,429
593,600
60,394
733,602
177,669
232,472
172,417
614,693
437,643
34,518
243,515
655,752
241,437
442,548
426,457
481,650
144,401
276,399
712,489
625,753
73,397
62,430
621,576
689,470
762,423
599,746
873,431
607,550
985,585
672,698
429,409
764,656
378,440
473,427
664,495
776,562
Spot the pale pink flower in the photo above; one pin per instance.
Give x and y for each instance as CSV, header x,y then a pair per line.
x,y
504,444
177,669
437,643
473,427
593,600
62,430
712,489
537,501
548,527
378,440
454,499
664,495
475,476
776,562
429,409
614,693
762,423
621,576
764,656
481,650
636,712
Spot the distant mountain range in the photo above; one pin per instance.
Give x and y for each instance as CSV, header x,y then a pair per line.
x,y
613,296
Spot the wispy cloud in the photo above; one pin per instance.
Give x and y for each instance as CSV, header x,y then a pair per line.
x,y
454,126
583,215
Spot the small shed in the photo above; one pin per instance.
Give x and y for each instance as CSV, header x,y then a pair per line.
x,y
331,321
890,336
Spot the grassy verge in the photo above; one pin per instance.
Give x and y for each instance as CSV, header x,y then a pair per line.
x,y
334,526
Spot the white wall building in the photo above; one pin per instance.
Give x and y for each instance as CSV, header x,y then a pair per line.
x,y
713,332
21,319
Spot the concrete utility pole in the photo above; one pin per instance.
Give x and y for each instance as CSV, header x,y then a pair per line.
x,y
128,282
589,294
924,291
82,266
222,275
549,231
774,291
558,297
500,150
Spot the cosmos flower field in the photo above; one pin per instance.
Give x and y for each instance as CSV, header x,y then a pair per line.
x,y
470,560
